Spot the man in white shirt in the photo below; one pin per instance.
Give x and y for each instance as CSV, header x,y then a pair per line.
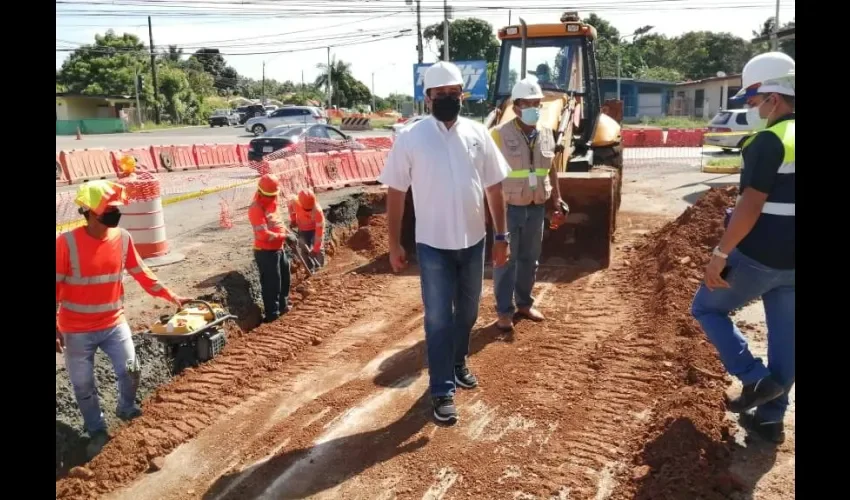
x,y
450,163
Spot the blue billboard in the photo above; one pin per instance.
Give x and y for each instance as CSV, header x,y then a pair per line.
x,y
474,77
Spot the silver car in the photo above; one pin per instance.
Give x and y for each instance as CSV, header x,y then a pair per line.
x,y
288,115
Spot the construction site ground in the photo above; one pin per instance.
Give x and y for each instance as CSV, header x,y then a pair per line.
x,y
617,395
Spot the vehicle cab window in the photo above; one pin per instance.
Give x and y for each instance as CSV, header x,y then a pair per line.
x,y
333,134
318,132
741,119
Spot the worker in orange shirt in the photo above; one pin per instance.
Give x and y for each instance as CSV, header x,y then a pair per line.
x,y
306,216
90,262
269,237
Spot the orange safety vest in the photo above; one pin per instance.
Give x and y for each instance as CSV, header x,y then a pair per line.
x,y
269,233
89,273
306,220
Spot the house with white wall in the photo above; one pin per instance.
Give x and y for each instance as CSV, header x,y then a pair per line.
x,y
703,98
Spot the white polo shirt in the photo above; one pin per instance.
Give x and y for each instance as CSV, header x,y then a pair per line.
x,y
448,171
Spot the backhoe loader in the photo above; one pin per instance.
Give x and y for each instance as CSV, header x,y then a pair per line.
x,y
589,156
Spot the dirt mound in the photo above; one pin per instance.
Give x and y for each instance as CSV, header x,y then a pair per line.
x,y
686,449
370,239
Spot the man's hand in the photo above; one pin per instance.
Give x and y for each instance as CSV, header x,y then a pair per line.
x,y
60,342
712,273
291,238
180,300
398,258
501,252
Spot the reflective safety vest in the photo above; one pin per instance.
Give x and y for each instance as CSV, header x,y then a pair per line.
x,y
785,131
308,220
269,233
89,273
526,160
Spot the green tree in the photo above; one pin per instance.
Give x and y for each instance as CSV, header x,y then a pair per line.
x,y
470,39
346,91
787,46
105,68
214,64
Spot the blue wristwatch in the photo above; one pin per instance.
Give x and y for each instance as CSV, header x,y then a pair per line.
x,y
506,237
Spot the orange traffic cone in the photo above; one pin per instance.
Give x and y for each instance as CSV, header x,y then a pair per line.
x,y
79,135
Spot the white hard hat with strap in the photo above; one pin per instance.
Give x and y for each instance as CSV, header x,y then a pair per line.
x,y
526,89
772,72
442,74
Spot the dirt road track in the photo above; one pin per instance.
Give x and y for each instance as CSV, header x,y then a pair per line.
x,y
615,396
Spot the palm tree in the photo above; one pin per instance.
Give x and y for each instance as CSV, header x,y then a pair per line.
x,y
340,71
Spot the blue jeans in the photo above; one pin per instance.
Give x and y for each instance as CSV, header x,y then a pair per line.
x,y
117,343
451,291
516,278
750,280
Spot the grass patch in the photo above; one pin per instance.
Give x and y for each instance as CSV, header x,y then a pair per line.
x,y
153,126
725,162
670,122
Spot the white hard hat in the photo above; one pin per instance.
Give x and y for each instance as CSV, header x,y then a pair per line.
x,y
772,72
526,89
442,74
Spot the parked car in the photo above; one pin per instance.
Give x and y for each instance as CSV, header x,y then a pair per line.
x,y
250,111
294,115
733,128
223,118
314,138
410,121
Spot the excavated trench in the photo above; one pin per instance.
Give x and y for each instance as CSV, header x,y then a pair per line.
x,y
238,291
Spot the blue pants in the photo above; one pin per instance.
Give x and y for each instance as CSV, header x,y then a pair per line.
x,y
516,278
308,237
80,348
274,281
451,291
750,280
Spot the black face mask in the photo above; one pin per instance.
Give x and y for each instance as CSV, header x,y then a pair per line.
x,y
110,219
446,108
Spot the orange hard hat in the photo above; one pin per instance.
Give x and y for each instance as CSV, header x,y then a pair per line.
x,y
269,185
306,199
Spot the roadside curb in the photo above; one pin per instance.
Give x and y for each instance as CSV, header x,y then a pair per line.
x,y
734,169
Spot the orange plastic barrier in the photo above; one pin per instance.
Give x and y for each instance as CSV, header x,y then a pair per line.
x,y
175,158
216,155
369,164
376,142
643,138
87,164
242,153
343,166
320,172
143,216
145,160
685,138
292,172
63,174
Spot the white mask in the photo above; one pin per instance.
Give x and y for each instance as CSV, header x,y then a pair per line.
x,y
753,118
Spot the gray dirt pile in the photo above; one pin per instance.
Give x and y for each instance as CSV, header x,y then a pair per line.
x,y
238,291
686,451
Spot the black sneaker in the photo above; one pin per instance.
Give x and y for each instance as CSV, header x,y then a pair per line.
x,y
756,394
464,378
773,432
445,411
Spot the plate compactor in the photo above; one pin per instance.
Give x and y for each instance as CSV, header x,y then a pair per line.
x,y
193,335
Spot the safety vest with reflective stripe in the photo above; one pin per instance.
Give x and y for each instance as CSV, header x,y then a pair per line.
x,y
525,158
306,220
269,233
785,131
92,294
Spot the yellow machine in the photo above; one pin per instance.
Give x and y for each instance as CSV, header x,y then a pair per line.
x,y
193,335
589,158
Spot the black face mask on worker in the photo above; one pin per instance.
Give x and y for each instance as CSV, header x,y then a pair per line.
x,y
110,219
446,108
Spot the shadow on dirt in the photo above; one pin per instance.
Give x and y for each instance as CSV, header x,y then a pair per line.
x,y
701,466
327,465
409,361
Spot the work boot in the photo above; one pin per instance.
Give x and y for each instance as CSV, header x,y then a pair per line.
x,y
96,443
772,432
445,411
129,415
271,319
505,322
756,394
531,313
464,378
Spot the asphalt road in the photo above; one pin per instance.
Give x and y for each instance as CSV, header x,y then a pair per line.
x,y
188,135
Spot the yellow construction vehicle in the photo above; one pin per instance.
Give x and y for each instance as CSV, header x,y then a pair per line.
x,y
589,158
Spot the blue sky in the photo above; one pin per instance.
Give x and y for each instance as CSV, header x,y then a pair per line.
x,y
272,25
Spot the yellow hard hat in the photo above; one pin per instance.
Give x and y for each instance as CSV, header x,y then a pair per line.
x,y
97,195
127,164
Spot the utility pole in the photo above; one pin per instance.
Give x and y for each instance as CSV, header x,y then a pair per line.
x,y
446,30
329,78
263,91
509,17
373,92
153,71
302,80
138,104
774,42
